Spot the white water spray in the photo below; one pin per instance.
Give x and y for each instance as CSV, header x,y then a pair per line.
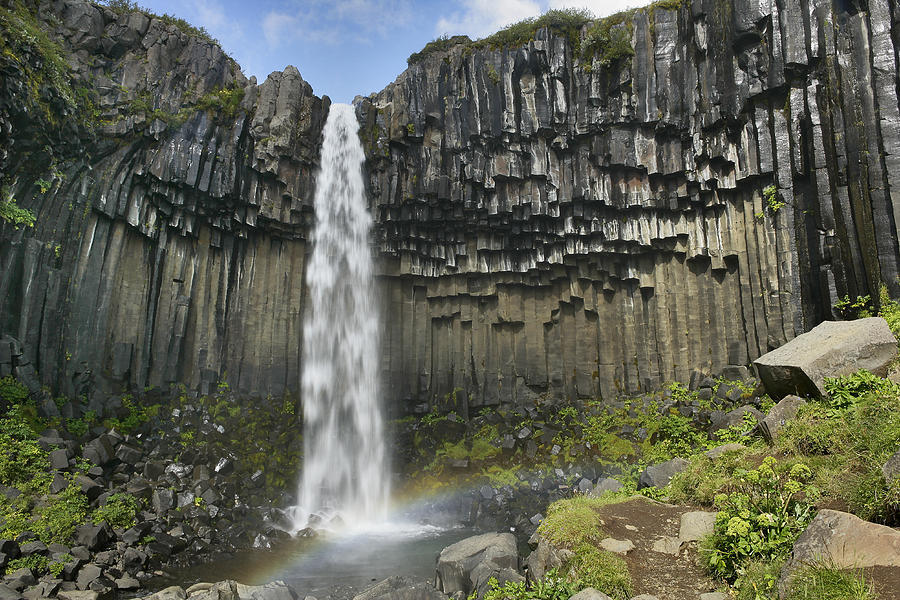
x,y
344,472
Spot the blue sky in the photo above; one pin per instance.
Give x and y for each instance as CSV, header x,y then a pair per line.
x,y
345,48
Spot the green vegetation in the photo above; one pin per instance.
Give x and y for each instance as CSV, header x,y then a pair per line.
x,y
607,39
225,101
573,524
120,511
822,582
862,306
760,516
37,563
14,214
126,6
772,199
550,587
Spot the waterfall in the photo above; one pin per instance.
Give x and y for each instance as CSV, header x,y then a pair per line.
x,y
344,471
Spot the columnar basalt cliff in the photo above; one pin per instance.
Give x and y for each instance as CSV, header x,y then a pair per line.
x,y
171,250
558,226
546,225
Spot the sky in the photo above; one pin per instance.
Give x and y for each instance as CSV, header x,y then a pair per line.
x,y
345,48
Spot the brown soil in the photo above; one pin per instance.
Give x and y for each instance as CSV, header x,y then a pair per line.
x,y
885,581
665,576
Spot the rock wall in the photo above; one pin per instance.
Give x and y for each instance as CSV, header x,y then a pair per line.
x,y
545,226
172,249
554,227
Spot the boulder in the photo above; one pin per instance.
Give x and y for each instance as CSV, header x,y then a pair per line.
x,y
400,588
8,593
274,590
781,413
543,558
170,593
590,594
843,541
87,575
830,349
891,469
457,563
93,537
718,451
696,525
617,546
607,484
660,474
735,417
77,595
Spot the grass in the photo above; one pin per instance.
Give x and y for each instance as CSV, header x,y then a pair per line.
x,y
823,582
127,6
607,39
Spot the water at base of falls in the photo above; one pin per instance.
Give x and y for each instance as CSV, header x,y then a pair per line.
x,y
345,482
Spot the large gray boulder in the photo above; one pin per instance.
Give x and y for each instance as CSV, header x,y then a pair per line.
x,y
844,541
660,474
830,349
590,594
467,565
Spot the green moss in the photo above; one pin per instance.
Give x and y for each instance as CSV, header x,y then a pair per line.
x,y
572,522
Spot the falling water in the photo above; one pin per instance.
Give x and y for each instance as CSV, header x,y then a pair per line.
x,y
344,472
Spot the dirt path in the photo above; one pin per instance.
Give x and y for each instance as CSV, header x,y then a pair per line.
x,y
666,576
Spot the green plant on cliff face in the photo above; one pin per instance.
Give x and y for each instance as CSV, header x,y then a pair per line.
x,y
773,201
225,101
609,39
439,44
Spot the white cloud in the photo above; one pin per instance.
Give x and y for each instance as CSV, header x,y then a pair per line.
x,y
276,25
482,17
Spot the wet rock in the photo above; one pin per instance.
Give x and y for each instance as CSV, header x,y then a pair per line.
x,y
457,564
59,459
831,349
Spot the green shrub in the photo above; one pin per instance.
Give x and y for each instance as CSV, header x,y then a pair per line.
x,y
550,587
760,518
11,391
822,582
22,459
56,568
773,201
568,22
120,511
225,101
127,6
57,519
889,310
37,563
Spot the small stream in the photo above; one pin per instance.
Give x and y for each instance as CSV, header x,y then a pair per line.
x,y
335,567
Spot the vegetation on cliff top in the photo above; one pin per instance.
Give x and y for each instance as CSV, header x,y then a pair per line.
x,y
127,6
607,39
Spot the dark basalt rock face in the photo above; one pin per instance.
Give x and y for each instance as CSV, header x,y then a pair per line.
x,y
173,249
545,227
552,227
